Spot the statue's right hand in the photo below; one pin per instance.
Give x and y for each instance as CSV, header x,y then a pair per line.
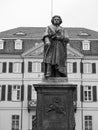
x,y
48,43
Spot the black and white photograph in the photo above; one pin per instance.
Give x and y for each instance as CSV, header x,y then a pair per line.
x,y
48,65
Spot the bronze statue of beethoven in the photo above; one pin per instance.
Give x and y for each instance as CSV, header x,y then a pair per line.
x,y
55,51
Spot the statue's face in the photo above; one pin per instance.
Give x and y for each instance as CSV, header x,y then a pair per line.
x,y
56,21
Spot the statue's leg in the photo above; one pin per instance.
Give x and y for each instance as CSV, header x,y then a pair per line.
x,y
59,74
48,70
53,71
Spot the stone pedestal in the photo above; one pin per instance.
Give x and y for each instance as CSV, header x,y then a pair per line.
x,y
56,100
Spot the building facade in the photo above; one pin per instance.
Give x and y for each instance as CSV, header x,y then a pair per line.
x,y
21,56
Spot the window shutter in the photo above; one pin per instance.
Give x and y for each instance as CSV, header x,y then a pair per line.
x,y
22,92
3,92
10,67
74,67
22,67
9,92
75,94
29,66
81,92
4,67
93,67
81,67
29,92
42,66
94,93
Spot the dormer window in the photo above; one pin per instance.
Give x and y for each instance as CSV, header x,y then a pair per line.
x,y
83,34
18,44
86,45
20,33
1,44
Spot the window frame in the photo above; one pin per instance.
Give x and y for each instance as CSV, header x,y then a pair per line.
x,y
1,44
37,67
15,93
15,119
88,122
18,47
88,93
71,67
86,45
18,68
87,68
34,66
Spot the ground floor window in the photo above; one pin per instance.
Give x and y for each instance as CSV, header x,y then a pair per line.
x,y
15,122
88,122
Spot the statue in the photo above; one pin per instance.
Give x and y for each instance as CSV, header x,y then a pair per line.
x,y
55,49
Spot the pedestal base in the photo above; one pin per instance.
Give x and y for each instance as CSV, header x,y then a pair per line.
x,y
55,80
55,109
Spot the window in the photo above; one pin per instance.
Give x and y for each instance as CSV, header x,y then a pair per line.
x,y
88,93
17,67
20,33
1,44
88,68
34,66
72,67
15,122
18,44
16,92
86,45
84,34
88,122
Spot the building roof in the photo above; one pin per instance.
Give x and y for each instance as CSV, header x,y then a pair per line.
x,y
37,32
23,32
76,36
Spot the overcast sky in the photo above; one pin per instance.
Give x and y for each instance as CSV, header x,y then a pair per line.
x,y
37,13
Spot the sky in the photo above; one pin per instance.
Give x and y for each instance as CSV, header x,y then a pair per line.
x,y
38,13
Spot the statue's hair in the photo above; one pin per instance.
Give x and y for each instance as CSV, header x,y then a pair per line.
x,y
52,20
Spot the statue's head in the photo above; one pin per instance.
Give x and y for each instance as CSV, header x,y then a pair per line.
x,y
56,20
